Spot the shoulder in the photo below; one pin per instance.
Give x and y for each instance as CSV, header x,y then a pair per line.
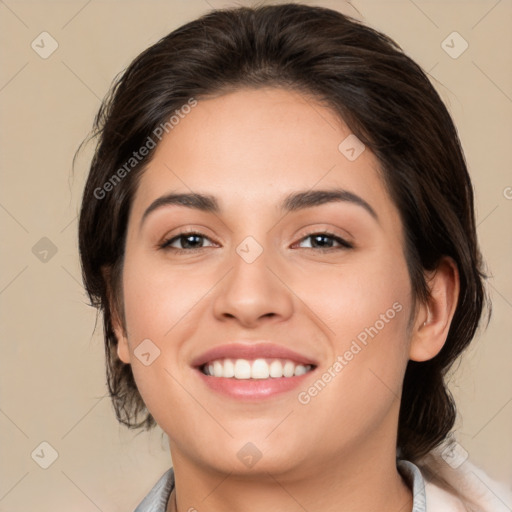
x,y
427,496
438,489
453,481
156,499
441,500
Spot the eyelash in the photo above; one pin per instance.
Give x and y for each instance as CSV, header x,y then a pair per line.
x,y
166,244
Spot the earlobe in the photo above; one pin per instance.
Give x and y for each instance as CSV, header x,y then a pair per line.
x,y
434,318
123,349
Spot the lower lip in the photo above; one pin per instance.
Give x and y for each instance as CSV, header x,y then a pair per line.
x,y
253,389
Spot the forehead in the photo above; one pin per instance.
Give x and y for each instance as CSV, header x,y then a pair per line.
x,y
250,148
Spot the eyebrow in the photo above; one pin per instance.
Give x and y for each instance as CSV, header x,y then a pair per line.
x,y
292,202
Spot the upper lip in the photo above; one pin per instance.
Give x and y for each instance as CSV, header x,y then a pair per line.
x,y
252,350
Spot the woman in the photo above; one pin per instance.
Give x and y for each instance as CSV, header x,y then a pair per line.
x,y
278,226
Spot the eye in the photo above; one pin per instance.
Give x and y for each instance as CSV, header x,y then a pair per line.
x,y
324,241
192,241
189,241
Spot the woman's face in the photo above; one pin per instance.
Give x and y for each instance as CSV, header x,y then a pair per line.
x,y
261,280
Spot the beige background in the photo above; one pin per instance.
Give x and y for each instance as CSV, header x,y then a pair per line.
x,y
51,367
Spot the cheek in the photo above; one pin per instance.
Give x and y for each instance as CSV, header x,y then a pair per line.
x,y
354,298
358,390
159,298
161,305
365,309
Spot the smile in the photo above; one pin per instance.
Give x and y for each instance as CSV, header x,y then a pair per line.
x,y
244,369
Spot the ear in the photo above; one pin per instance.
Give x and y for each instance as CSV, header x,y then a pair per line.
x,y
123,349
434,318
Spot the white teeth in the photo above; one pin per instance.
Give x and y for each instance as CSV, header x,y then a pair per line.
x,y
260,369
276,369
242,369
256,369
300,370
289,369
218,370
229,368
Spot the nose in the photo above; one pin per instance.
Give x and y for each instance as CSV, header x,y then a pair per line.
x,y
254,292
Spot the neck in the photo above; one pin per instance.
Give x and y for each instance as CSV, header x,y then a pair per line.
x,y
356,482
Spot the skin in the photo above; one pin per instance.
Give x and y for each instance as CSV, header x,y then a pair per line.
x,y
249,149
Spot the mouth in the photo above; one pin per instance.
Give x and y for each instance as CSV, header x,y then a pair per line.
x,y
257,369
252,371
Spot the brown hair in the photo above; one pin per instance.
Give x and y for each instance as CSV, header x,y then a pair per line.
x,y
384,98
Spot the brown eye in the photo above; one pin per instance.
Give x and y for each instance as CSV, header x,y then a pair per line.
x,y
325,241
189,241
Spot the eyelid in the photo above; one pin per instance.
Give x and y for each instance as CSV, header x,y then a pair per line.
x,y
327,229
345,244
341,240
165,242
